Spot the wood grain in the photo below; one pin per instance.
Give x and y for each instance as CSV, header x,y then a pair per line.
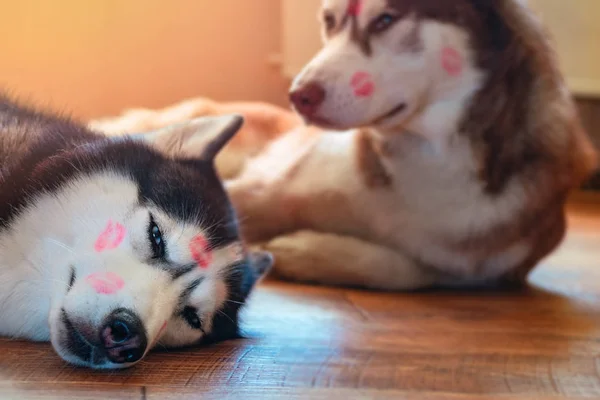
x,y
313,342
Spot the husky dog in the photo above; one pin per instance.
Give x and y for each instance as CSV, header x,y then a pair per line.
x,y
446,144
463,145
109,246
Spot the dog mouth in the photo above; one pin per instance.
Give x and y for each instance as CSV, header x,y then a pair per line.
x,y
392,113
320,122
73,341
325,123
119,344
78,346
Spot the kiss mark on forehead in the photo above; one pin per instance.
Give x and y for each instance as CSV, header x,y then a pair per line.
x,y
111,237
200,251
354,8
105,282
452,61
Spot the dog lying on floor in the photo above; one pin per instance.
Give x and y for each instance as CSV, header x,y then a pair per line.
x,y
108,246
448,146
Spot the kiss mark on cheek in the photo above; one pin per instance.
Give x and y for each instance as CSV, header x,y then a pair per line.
x,y
354,8
200,252
452,61
362,84
111,237
105,282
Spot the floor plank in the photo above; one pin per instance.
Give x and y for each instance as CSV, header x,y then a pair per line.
x,y
327,343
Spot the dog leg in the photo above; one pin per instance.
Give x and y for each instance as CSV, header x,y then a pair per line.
x,y
263,213
330,259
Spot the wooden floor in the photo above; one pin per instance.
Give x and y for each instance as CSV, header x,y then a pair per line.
x,y
320,343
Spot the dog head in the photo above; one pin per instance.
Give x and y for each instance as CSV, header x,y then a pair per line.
x,y
484,70
143,245
385,61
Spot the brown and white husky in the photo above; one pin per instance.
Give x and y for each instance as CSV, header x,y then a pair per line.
x,y
447,146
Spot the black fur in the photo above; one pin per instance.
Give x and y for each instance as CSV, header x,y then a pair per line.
x,y
40,152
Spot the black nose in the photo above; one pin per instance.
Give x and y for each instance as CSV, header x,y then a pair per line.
x,y
123,337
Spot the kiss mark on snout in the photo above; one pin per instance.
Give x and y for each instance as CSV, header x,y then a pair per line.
x,y
200,251
354,8
111,237
362,84
105,282
452,61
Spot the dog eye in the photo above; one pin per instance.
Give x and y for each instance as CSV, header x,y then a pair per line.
x,y
382,22
190,314
157,242
329,21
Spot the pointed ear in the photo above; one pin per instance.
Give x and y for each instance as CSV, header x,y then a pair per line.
x,y
200,138
261,262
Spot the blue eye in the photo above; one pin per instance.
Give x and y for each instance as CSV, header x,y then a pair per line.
x,y
382,22
156,235
157,243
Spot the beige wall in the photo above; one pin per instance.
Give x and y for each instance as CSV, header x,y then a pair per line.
x,y
96,57
575,27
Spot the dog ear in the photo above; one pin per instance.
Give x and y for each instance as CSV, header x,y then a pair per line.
x,y
261,263
200,138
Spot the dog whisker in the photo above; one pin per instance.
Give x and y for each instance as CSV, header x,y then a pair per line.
x,y
234,302
87,214
61,245
226,316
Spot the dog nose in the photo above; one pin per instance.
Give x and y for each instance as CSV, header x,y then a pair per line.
x,y
123,337
308,98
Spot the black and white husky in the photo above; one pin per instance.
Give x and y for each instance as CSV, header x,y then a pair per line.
x,y
109,246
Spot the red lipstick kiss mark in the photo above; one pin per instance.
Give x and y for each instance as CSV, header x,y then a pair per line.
x,y
105,282
362,83
354,8
200,251
111,237
452,61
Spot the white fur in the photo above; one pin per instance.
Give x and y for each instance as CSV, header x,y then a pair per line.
x,y
435,196
40,247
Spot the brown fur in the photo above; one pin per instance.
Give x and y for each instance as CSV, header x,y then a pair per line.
x,y
263,123
522,125
513,119
369,163
517,123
